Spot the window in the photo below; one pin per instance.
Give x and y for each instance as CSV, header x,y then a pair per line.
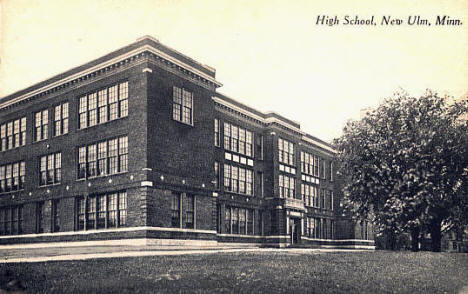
x,y
238,140
332,229
123,99
216,170
61,119
364,230
306,193
10,135
12,176
216,132
41,125
104,105
91,213
286,152
123,154
112,211
259,143
113,156
39,217
329,199
227,220
235,138
323,165
3,138
238,179
306,163
318,228
314,192
322,198
312,165
92,109
239,221
50,169
325,228
81,213
175,210
16,133
122,209
103,110
235,220
250,222
242,221
331,171
113,103
190,211
227,136
182,105
101,211
81,162
286,186
83,112
103,158
92,161
55,225
260,183
249,182
316,166
9,177
13,134
22,175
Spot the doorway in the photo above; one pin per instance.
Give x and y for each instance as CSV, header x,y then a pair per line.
x,y
295,230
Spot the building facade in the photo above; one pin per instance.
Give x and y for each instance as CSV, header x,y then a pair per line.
x,y
139,147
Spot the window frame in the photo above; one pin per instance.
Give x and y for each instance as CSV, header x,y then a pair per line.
x,y
238,222
287,186
286,152
89,211
190,211
52,169
176,209
41,125
181,110
11,181
237,176
115,159
235,142
91,106
217,135
11,220
61,119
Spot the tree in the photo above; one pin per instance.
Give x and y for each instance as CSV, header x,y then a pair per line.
x,y
405,165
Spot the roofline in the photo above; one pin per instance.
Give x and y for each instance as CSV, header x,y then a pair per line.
x,y
207,67
266,119
133,49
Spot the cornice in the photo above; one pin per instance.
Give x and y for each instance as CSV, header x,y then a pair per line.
x,y
319,144
116,62
237,111
274,122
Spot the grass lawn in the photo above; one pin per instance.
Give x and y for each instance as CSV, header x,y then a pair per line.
x,y
259,272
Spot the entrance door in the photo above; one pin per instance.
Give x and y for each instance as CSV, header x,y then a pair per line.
x,y
295,230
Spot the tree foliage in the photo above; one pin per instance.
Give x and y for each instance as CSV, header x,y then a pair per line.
x,y
405,164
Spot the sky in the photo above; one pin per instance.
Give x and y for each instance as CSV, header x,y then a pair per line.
x,y
270,55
